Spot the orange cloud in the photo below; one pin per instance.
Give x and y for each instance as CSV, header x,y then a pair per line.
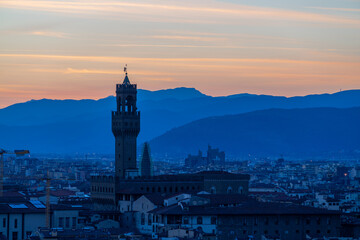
x,y
50,34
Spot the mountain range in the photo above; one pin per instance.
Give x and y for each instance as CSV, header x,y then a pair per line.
x,y
273,132
69,126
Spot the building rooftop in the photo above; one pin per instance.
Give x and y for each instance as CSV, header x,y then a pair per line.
x,y
245,208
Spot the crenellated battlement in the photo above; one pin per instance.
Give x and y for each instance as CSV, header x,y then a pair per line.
x,y
116,114
103,178
126,86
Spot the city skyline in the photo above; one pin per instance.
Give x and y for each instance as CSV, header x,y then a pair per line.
x,y
61,50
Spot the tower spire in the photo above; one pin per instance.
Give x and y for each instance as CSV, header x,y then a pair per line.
x,y
146,165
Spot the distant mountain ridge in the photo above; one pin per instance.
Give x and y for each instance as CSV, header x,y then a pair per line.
x,y
306,132
50,125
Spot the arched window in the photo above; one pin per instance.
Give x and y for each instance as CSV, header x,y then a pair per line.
x,y
229,190
119,104
199,220
241,190
213,190
129,104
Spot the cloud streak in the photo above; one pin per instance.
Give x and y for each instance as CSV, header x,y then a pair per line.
x,y
144,59
50,34
175,9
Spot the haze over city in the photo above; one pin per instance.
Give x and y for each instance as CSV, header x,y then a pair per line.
x,y
77,49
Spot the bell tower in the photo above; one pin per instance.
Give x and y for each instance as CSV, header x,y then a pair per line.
x,y
126,128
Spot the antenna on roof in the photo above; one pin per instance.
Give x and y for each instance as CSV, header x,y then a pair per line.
x,y
125,69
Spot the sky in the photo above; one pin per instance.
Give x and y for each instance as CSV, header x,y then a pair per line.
x,y
61,49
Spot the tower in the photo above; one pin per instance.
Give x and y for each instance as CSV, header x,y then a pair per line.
x,y
126,128
146,162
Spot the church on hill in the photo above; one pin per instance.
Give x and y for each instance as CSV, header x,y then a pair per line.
x,y
118,191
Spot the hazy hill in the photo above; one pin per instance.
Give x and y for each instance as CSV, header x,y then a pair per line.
x,y
313,131
84,125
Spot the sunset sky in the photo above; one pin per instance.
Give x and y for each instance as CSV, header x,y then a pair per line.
x,y
77,48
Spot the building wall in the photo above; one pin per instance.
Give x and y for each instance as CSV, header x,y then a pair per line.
x,y
292,227
33,222
26,223
106,190
143,219
66,219
14,228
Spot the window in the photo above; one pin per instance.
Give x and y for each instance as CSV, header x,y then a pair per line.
x,y
143,219
61,222
213,220
255,221
4,222
307,231
328,231
74,222
244,232
150,219
266,221
277,232
186,220
308,221
276,220
318,221
28,233
297,231
318,231
15,224
199,220
15,235
67,222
